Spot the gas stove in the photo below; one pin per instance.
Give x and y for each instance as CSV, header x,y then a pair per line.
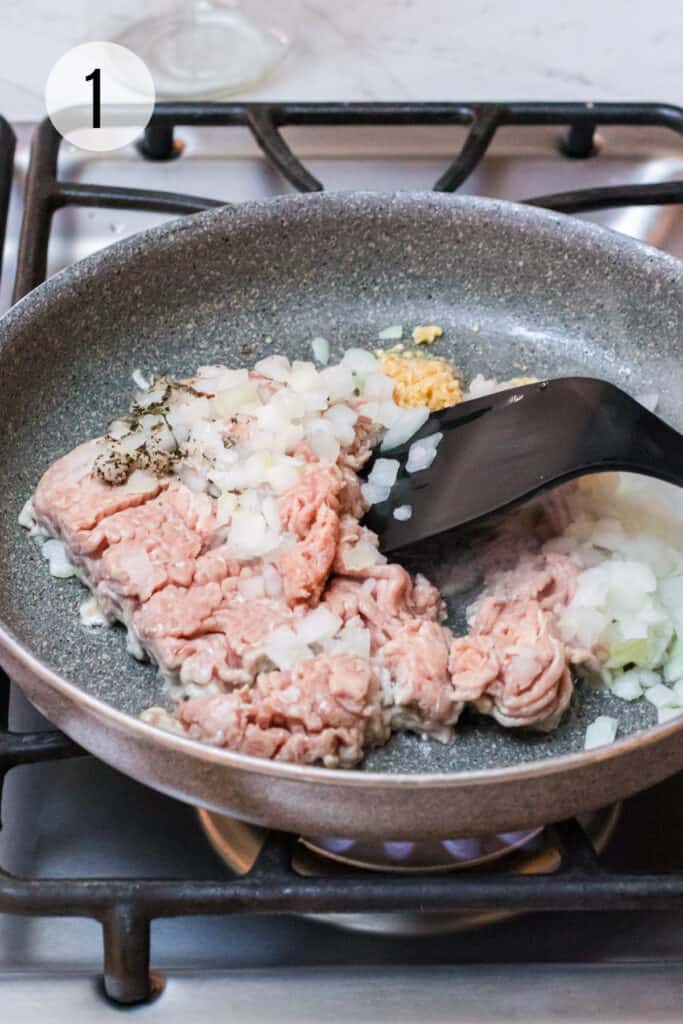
x,y
263,928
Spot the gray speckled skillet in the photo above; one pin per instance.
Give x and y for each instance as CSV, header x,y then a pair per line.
x,y
515,289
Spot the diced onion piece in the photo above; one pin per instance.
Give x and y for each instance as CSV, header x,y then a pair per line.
x,y
650,399
356,640
361,556
270,513
284,648
648,678
338,382
374,494
284,474
360,362
252,587
627,686
27,516
233,400
303,378
323,442
91,614
407,423
403,513
140,380
272,580
321,350
249,535
387,412
384,472
193,480
343,419
661,696
378,386
274,367
58,560
392,333
118,429
422,453
320,624
132,442
601,732
667,712
139,481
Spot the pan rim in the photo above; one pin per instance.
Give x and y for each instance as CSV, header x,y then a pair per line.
x,y
103,262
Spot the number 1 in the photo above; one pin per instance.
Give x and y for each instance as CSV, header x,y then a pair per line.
x,y
94,77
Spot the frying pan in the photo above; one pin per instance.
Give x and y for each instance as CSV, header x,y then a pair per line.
x,y
516,290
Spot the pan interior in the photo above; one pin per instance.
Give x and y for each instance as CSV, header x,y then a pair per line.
x,y
516,292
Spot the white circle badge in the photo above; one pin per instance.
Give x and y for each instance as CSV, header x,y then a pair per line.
x,y
100,96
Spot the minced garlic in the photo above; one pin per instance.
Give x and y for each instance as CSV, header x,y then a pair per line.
x,y
419,381
427,334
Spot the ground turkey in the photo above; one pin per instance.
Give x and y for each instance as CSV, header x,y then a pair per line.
x,y
325,709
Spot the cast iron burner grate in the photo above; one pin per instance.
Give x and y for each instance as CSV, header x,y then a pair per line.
x,y
126,907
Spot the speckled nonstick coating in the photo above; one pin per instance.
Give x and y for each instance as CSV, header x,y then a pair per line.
x,y
515,288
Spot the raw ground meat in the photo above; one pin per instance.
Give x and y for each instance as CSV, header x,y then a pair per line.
x,y
325,709
156,556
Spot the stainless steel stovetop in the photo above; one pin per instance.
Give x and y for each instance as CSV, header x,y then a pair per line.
x,y
81,818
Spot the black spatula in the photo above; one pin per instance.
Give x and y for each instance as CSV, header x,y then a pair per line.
x,y
498,450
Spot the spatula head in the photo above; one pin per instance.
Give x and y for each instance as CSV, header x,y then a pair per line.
x,y
498,450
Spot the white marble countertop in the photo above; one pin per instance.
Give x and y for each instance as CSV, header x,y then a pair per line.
x,y
403,49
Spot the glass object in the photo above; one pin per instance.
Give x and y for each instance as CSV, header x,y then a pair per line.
x,y
202,48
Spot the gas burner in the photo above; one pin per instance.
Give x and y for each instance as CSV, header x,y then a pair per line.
x,y
426,856
529,852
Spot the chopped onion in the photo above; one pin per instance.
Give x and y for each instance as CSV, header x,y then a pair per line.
x,y
384,473
225,506
356,640
321,350
320,624
422,453
661,696
648,678
251,587
403,513
627,686
27,516
374,494
91,614
650,399
303,378
140,380
378,386
139,481
338,382
323,442
271,513
272,580
360,362
361,556
284,648
667,712
58,560
250,536
284,474
233,400
343,420
274,367
407,423
393,333
601,732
